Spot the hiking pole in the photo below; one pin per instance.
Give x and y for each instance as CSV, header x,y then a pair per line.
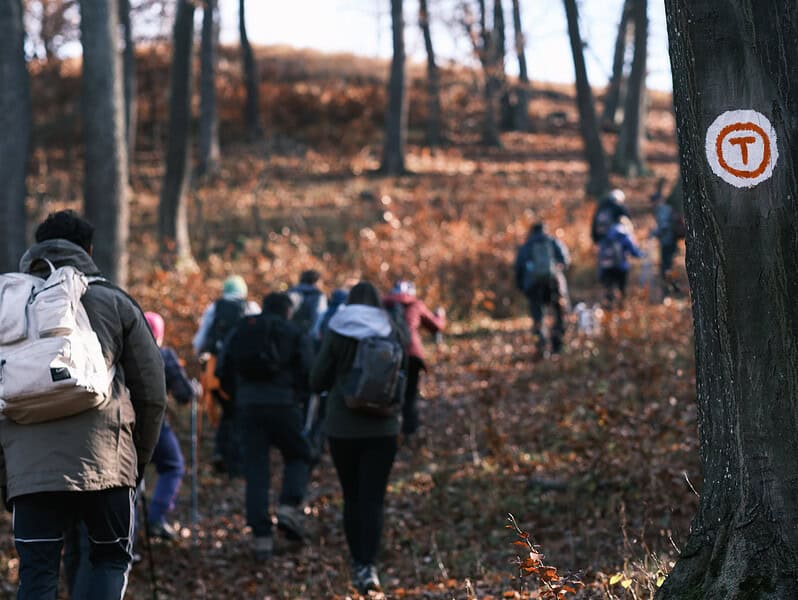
x,y
310,416
148,542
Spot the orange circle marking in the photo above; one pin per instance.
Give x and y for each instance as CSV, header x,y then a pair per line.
x,y
733,128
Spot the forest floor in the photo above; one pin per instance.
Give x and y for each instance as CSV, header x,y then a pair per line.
x,y
594,452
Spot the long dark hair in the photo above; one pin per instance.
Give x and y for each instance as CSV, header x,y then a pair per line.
x,y
364,293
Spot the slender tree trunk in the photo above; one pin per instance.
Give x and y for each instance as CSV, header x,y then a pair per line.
x,y
208,160
433,80
521,116
250,76
173,212
15,140
489,57
506,108
628,158
393,153
105,183
598,179
130,83
742,260
613,95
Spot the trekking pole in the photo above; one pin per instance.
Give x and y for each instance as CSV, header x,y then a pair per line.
x,y
148,542
194,482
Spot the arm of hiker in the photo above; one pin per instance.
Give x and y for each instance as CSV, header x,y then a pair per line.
x,y
561,254
632,248
434,323
303,362
322,374
520,259
201,337
144,376
177,382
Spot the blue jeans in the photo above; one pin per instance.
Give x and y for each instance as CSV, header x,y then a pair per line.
x,y
39,524
168,461
261,428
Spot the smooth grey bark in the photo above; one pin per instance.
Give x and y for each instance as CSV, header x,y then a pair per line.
x,y
742,260
208,159
172,210
628,159
130,82
393,151
252,101
613,96
521,110
598,178
15,123
103,109
433,80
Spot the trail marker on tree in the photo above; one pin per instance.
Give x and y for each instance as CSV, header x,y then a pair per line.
x,y
741,147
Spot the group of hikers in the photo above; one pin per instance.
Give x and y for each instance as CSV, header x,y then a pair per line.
x,y
85,374
542,262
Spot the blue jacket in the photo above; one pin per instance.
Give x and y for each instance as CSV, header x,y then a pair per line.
x,y
618,235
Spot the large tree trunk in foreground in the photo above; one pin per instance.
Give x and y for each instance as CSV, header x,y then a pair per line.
x,y
393,152
173,212
250,76
628,159
613,96
15,138
105,183
742,260
208,159
598,179
130,84
433,80
521,114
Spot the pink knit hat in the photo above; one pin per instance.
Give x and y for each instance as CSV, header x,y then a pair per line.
x,y
155,321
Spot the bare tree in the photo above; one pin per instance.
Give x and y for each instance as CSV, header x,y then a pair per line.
x,y
103,108
521,113
130,84
433,79
393,152
628,158
486,46
741,201
15,140
208,160
598,178
58,25
173,212
613,96
250,76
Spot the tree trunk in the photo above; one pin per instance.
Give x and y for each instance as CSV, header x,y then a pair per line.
x,y
208,160
521,114
628,158
506,109
106,176
613,96
598,179
250,77
393,153
742,261
173,212
130,84
489,57
433,80
15,141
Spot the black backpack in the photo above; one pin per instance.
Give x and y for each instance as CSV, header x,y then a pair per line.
x,y
262,347
375,385
610,254
540,264
603,221
227,313
308,312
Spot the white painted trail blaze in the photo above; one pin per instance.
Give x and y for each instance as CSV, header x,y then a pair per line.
x,y
741,148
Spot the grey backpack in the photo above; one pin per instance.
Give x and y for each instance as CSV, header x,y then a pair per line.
x,y
375,384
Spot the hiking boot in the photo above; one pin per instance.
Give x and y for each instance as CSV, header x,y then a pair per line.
x,y
365,579
163,531
263,547
290,522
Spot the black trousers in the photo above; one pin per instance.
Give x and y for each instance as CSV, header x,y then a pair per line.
x,y
410,416
363,466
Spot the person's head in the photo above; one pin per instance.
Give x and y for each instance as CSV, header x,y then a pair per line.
x,y
157,326
235,286
617,195
537,229
364,293
404,286
66,225
278,304
309,277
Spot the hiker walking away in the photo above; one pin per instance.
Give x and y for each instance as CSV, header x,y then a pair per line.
x,y
337,300
267,358
310,304
540,266
359,364
82,465
669,230
168,458
216,323
412,314
608,212
613,262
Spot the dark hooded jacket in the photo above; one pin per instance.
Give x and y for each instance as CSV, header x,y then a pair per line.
x,y
102,447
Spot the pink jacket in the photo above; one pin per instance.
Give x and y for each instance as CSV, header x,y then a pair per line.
x,y
416,315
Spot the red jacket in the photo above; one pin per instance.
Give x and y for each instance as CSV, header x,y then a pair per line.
x,y
416,315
